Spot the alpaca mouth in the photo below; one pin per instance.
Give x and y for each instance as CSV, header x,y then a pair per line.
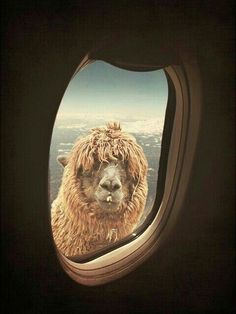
x,y
109,203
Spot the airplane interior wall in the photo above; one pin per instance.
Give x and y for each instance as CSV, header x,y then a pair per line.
x,y
193,269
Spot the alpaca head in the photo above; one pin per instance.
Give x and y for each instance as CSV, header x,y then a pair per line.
x,y
105,169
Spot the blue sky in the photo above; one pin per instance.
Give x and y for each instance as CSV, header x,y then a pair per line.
x,y
102,89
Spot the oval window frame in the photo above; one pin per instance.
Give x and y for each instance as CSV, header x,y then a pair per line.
x,y
122,260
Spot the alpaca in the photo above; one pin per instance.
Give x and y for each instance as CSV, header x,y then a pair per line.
x,y
103,191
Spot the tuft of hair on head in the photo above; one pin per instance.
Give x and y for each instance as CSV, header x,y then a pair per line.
x,y
114,126
113,129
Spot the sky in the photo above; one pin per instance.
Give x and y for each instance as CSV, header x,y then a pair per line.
x,y
101,89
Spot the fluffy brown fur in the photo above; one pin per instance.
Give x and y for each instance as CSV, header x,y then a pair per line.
x,y
79,225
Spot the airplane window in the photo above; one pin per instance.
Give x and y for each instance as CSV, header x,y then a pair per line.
x,y
104,156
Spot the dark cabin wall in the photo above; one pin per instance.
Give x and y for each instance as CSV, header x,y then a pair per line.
x,y
193,270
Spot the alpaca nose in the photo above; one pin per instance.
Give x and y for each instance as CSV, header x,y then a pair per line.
x,y
111,185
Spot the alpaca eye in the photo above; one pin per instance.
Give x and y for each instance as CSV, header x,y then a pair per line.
x,y
83,173
96,166
87,174
79,171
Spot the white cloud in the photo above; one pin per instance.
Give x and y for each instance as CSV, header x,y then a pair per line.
x,y
149,126
63,150
72,126
144,126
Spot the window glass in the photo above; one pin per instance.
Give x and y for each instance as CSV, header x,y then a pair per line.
x,y
104,156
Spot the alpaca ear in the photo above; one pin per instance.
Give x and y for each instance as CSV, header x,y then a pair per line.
x,y
63,160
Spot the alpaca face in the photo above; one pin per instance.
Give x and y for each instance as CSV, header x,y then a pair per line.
x,y
107,184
